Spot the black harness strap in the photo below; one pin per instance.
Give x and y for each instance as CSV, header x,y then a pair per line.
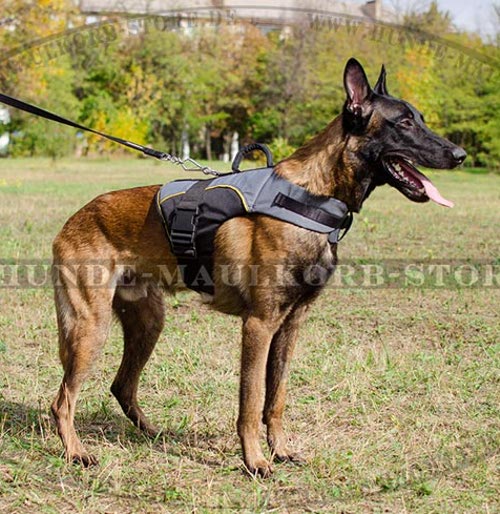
x,y
308,211
183,226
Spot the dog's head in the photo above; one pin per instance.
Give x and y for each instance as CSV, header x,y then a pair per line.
x,y
392,138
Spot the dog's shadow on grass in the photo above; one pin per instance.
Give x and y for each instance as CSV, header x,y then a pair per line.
x,y
30,426
207,448
18,419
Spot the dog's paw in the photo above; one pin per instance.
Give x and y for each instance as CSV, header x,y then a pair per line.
x,y
278,444
84,459
293,457
152,432
259,468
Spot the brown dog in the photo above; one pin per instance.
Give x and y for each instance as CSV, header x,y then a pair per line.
x,y
375,140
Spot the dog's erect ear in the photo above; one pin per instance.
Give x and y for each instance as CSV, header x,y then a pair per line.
x,y
381,86
357,88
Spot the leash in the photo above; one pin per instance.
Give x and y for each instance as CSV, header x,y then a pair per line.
x,y
162,156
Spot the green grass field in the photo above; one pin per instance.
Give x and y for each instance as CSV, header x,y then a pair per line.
x,y
393,393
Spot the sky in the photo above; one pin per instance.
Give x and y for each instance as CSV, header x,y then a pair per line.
x,y
472,15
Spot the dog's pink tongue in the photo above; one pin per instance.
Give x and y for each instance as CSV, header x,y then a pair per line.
x,y
432,191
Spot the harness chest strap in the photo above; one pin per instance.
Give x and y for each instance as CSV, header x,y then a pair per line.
x,y
317,214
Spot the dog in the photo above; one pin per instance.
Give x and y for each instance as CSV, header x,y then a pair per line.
x,y
376,140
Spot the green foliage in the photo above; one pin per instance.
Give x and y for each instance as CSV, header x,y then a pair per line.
x,y
152,85
489,130
281,149
36,136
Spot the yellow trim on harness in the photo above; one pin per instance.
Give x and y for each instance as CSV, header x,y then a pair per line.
x,y
164,222
236,190
170,196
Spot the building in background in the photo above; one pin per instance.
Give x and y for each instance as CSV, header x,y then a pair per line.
x,y
270,12
4,135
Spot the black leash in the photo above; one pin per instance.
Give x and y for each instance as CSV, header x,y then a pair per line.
x,y
37,111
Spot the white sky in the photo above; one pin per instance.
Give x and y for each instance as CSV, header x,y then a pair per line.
x,y
473,15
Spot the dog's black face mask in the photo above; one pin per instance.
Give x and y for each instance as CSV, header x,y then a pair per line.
x,y
394,138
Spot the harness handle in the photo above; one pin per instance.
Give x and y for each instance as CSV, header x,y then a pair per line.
x,y
249,149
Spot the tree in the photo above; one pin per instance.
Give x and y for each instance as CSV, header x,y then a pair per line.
x,y
45,83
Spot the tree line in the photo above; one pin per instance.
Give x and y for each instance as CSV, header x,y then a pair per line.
x,y
169,85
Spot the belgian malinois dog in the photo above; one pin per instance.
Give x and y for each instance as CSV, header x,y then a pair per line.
x,y
376,140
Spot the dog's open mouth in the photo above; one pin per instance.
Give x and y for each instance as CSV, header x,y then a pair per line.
x,y
411,182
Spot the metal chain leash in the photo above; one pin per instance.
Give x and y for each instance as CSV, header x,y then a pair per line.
x,y
189,164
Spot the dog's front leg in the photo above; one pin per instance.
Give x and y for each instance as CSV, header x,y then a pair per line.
x,y
257,336
278,364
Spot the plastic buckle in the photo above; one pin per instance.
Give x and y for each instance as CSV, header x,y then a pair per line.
x,y
346,226
335,235
182,233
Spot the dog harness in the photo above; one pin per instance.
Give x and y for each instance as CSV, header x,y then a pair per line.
x,y
193,210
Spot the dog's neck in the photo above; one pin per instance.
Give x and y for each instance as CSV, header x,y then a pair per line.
x,y
326,166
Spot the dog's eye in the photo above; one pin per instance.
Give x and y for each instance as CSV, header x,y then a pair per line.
x,y
406,123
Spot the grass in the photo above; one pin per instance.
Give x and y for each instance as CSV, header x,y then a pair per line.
x,y
393,393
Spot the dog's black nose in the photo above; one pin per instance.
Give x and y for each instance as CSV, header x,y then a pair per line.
x,y
459,154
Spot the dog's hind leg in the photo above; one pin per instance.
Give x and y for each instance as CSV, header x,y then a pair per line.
x,y
142,321
84,318
278,363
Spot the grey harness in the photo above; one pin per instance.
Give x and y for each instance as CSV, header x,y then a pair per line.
x,y
192,212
